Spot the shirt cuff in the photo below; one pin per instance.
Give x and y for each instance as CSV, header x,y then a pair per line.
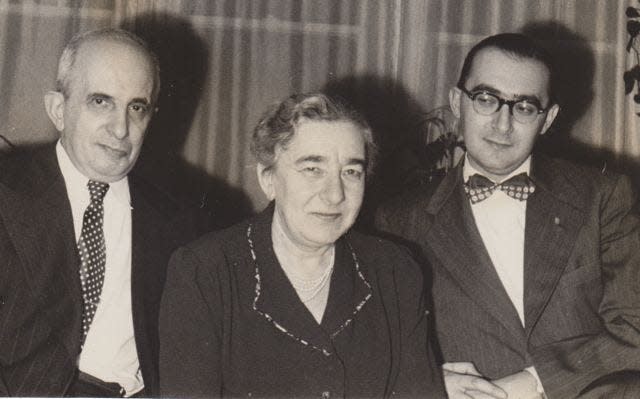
x,y
532,371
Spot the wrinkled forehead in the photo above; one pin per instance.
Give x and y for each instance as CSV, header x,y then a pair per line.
x,y
322,137
510,73
113,56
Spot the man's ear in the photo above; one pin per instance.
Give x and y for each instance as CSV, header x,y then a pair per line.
x,y
551,116
454,101
265,178
54,105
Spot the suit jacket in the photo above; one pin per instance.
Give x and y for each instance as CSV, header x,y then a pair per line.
x,y
581,278
40,294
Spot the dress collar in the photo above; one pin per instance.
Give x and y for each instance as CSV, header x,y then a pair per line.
x,y
277,301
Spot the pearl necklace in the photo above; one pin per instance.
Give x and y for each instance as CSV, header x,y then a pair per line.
x,y
283,329
307,289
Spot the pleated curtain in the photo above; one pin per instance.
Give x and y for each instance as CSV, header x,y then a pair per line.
x,y
225,62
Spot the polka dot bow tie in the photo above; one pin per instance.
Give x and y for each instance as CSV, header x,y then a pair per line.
x,y
92,250
479,188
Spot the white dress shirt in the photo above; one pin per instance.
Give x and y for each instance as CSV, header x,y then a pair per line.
x,y
501,222
109,351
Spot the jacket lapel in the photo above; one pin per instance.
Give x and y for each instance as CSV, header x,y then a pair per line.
x,y
150,252
277,300
456,242
37,215
350,289
275,297
554,217
146,237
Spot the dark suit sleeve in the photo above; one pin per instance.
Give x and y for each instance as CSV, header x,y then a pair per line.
x,y
190,328
4,391
383,221
403,220
568,367
419,376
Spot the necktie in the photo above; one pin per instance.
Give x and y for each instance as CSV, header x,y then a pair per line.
x,y
479,188
92,251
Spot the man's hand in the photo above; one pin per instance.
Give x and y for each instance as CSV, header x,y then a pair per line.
x,y
462,380
522,385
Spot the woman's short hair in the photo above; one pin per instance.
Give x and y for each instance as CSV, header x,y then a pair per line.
x,y
278,125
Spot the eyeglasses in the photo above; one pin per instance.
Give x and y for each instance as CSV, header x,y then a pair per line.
x,y
486,103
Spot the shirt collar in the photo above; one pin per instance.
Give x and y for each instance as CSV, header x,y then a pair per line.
x,y
76,182
468,169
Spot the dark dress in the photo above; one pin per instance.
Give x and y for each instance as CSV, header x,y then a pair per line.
x,y
231,324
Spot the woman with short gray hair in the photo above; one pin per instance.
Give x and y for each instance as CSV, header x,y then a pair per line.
x,y
292,302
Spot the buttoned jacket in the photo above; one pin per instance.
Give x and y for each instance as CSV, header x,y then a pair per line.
x,y
233,325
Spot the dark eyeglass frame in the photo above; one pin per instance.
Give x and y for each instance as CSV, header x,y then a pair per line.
x,y
501,101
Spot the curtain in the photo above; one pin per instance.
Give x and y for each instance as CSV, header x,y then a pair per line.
x,y
225,62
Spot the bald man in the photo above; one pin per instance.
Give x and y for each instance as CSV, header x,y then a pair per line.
x,y
83,243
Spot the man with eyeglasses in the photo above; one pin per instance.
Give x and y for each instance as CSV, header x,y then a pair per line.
x,y
535,262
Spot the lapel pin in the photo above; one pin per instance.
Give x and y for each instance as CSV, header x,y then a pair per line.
x,y
556,221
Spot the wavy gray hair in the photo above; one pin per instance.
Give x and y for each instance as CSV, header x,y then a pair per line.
x,y
278,125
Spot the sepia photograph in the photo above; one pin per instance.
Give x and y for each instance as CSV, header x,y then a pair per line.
x,y
320,199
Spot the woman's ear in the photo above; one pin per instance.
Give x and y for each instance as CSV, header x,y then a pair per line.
x,y
54,105
265,178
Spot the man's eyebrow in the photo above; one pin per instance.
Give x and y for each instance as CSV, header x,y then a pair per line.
x,y
310,158
485,87
357,161
98,94
518,97
139,100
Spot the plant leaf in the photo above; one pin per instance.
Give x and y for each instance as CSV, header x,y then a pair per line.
x,y
629,81
633,27
636,98
632,12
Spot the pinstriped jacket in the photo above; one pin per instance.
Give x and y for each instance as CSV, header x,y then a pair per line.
x,y
40,294
581,280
